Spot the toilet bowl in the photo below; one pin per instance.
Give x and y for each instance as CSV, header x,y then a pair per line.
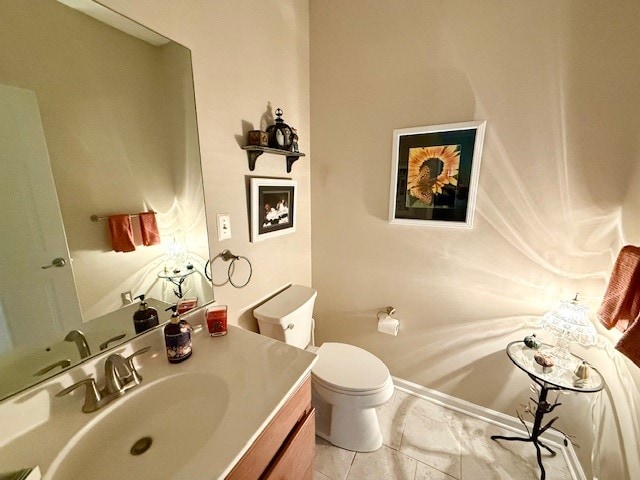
x,y
348,383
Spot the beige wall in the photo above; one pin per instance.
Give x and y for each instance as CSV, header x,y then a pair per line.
x,y
557,84
548,210
245,54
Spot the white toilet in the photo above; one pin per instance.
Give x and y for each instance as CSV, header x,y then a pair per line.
x,y
348,382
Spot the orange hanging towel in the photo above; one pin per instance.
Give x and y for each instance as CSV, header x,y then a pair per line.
x,y
621,303
629,343
149,228
121,233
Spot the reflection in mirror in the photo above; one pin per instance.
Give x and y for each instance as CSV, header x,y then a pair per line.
x,y
96,119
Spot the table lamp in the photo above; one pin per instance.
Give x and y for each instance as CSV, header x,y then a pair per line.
x,y
175,256
570,323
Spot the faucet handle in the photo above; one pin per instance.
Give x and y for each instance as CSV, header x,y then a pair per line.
x,y
104,345
137,378
91,397
138,352
62,364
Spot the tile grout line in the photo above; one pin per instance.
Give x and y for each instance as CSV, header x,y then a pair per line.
x,y
351,465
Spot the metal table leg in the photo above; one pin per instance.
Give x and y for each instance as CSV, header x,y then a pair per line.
x,y
543,408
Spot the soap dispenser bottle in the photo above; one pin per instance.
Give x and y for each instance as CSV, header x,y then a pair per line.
x,y
146,317
177,337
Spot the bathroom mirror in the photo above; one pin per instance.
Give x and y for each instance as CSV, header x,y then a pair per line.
x,y
97,118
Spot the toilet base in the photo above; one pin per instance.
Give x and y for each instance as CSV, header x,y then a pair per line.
x,y
354,428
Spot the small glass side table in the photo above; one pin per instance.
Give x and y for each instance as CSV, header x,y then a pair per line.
x,y
548,379
177,278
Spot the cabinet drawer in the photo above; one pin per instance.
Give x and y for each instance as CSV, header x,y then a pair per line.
x,y
294,461
252,465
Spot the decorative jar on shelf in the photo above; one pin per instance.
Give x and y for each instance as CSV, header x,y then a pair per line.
x,y
257,138
280,134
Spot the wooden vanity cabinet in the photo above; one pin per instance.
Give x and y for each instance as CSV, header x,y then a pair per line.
x,y
286,447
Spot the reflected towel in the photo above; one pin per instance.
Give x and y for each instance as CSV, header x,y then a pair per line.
x,y
149,228
629,343
621,304
121,233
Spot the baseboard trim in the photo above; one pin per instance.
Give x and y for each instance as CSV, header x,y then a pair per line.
x,y
554,438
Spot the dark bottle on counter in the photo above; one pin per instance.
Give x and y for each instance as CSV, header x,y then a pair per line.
x,y
177,337
146,317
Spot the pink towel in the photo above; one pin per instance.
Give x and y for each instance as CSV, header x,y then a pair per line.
x,y
149,228
621,304
121,233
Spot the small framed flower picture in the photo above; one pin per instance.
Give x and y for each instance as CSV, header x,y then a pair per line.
x,y
434,174
273,208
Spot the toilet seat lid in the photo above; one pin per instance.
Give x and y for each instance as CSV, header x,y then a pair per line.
x,y
349,368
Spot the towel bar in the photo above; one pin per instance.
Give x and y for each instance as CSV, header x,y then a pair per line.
x,y
95,218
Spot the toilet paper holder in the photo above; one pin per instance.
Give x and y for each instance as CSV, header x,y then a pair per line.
x,y
386,323
387,313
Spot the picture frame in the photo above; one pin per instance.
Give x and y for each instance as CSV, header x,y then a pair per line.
x,y
273,208
434,174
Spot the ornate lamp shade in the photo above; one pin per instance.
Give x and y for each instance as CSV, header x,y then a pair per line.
x,y
570,323
176,256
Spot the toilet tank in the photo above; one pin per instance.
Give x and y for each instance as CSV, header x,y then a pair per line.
x,y
288,316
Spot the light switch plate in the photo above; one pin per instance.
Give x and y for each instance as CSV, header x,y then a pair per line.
x,y
224,226
127,298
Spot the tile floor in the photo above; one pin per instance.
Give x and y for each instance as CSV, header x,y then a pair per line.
x,y
425,441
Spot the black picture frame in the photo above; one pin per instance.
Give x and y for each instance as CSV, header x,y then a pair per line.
x,y
273,208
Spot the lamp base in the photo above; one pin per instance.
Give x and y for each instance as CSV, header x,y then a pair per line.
x,y
562,356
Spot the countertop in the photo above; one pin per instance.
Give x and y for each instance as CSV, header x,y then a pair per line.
x,y
257,372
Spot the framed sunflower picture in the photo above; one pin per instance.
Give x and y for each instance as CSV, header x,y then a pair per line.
x,y
434,174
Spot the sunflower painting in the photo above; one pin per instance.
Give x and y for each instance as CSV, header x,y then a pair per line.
x,y
435,174
430,169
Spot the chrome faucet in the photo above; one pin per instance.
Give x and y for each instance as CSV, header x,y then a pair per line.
x,y
120,375
117,375
81,342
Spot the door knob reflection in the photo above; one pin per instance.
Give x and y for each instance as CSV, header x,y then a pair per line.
x,y
57,262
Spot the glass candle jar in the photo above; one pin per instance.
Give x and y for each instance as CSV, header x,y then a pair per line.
x,y
217,320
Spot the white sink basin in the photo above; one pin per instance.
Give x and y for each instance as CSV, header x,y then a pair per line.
x,y
170,420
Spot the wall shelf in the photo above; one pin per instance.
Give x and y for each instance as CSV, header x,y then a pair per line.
x,y
254,151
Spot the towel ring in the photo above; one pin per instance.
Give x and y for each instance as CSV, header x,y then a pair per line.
x,y
226,255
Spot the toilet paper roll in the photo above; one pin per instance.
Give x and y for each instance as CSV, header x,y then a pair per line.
x,y
388,325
